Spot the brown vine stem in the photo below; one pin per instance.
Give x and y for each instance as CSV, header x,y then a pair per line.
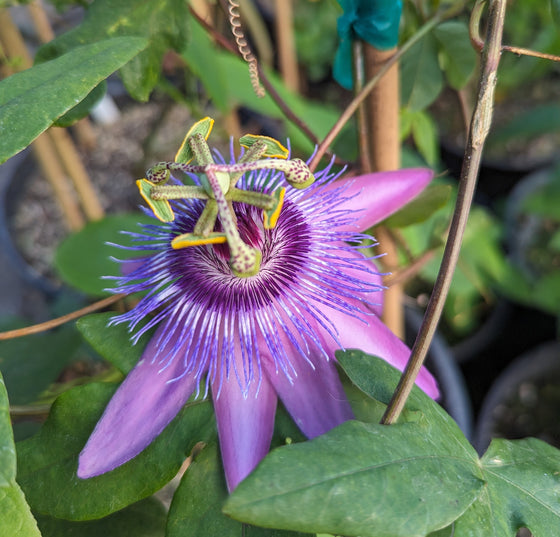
x,y
53,323
526,52
359,98
480,125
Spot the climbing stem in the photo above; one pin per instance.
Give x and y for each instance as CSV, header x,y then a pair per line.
x,y
480,125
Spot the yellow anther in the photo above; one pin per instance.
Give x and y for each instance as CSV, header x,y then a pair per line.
x,y
270,218
190,239
161,208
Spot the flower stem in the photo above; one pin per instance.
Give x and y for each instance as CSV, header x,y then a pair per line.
x,y
53,323
480,125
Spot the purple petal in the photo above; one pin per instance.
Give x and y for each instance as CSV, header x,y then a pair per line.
x,y
315,398
373,337
245,425
147,400
378,195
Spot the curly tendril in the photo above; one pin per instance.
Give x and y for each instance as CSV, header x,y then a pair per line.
x,y
243,47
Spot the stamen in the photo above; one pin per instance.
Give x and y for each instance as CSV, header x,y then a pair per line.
x,y
203,128
161,208
190,239
218,189
270,217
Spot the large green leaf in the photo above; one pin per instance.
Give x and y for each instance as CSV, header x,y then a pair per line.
x,y
32,100
196,510
16,519
164,23
555,9
48,461
421,77
31,364
457,55
84,258
146,518
523,484
367,479
111,342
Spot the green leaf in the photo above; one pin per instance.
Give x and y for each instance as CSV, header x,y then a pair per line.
x,y
16,519
555,10
366,479
196,510
528,124
425,136
84,258
32,100
164,23
146,518
421,78
7,449
457,55
523,479
48,461
83,108
112,342
31,364
433,198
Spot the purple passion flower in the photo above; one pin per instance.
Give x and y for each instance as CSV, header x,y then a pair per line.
x,y
253,339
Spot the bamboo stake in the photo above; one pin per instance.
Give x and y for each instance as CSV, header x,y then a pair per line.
x,y
73,164
43,147
480,125
286,44
384,153
64,145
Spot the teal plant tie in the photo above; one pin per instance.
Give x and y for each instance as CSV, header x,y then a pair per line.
x,y
374,21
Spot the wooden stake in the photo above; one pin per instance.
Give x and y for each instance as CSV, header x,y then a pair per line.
x,y
286,44
383,126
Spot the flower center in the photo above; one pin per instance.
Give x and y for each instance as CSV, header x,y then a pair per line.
x,y
206,271
218,189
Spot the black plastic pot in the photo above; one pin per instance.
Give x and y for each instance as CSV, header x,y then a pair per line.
x,y
13,176
524,400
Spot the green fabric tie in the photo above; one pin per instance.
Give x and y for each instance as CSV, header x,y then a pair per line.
x,y
374,21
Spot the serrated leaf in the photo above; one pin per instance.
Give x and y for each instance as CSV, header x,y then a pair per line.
x,y
457,55
84,258
421,78
523,490
196,509
164,23
433,198
48,461
146,518
112,342
16,519
366,479
32,100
